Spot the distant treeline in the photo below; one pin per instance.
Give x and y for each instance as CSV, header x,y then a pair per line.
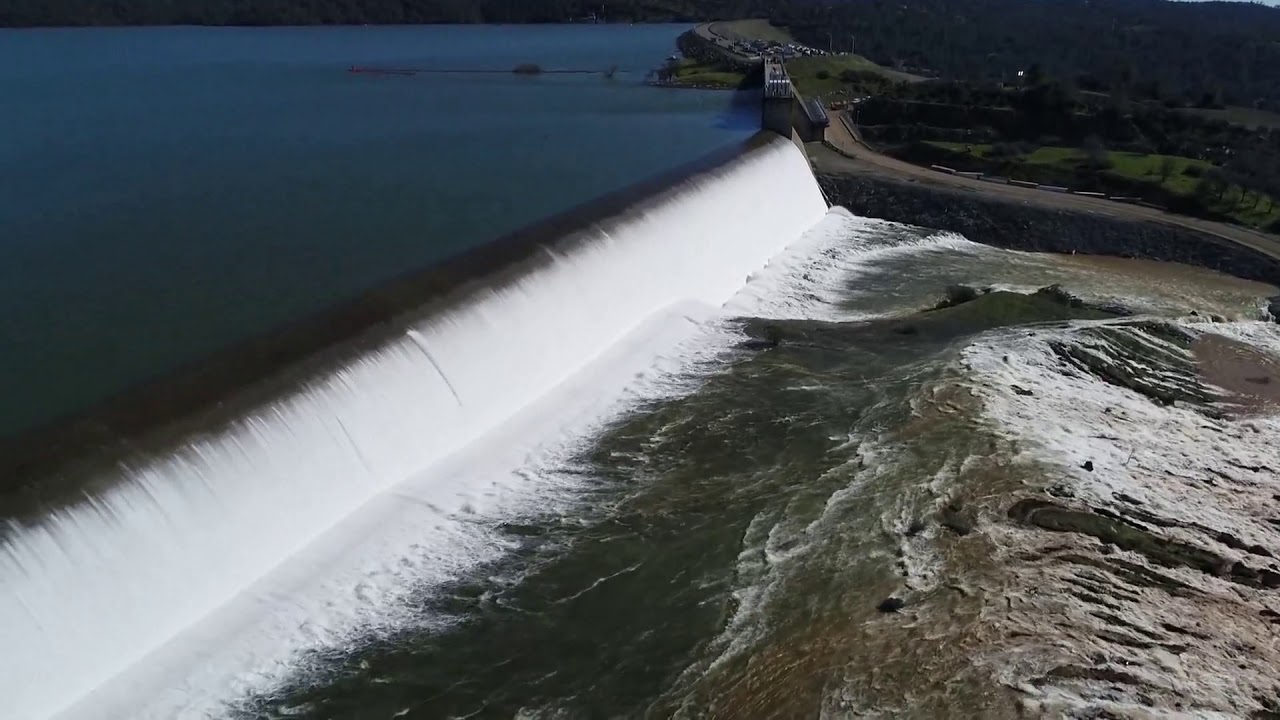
x,y
1184,52
1190,52
1237,168
18,13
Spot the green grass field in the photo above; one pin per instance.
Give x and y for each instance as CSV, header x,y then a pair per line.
x,y
1134,168
742,30
807,73
692,72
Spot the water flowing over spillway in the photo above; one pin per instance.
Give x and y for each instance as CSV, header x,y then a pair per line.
x,y
91,589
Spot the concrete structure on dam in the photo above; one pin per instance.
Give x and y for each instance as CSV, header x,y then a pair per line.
x,y
785,112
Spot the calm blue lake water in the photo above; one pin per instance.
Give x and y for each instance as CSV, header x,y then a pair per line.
x,y
166,192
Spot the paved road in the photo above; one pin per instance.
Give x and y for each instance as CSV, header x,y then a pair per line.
x,y
855,157
707,31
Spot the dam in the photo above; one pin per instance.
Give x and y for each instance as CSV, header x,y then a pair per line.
x,y
785,112
185,495
672,452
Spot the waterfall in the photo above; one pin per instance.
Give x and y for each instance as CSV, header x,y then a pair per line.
x,y
89,589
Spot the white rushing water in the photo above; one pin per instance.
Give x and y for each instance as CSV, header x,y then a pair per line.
x,y
91,590
1200,475
819,274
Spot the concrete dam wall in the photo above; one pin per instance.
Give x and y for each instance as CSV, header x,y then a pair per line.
x,y
144,518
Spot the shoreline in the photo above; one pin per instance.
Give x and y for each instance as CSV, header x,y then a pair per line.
x,y
691,86
1020,218
845,154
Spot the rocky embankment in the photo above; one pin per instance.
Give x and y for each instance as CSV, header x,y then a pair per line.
x,y
1104,540
1142,580
1018,225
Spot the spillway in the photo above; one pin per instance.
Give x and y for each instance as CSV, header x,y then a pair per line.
x,y
195,512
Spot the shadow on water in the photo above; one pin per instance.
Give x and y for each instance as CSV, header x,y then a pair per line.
x,y
743,112
744,104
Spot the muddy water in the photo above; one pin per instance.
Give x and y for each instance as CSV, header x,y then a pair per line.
x,y
828,522
1249,376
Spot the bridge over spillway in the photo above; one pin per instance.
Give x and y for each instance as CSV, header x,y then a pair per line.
x,y
785,112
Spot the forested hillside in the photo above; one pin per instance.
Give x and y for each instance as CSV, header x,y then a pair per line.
x,y
1203,52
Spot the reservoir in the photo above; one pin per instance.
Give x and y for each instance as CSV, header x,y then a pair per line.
x,y
166,192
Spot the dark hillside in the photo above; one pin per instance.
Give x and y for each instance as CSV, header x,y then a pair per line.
x,y
1203,53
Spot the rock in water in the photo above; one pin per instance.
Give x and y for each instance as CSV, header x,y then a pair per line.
x,y
1116,309
1059,294
957,295
891,605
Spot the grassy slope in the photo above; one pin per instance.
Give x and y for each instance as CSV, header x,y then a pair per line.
x,y
1136,167
692,72
804,73
750,30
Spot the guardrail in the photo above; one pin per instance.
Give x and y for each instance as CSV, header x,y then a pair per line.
x,y
837,149
816,113
848,124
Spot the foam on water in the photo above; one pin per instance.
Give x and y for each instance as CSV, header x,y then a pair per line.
x,y
1072,417
90,590
358,581
836,252
1201,475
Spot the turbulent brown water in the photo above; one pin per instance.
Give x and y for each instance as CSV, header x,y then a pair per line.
x,y
859,506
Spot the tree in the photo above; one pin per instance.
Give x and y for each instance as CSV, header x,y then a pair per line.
x,y
1095,154
1210,99
1212,184
1223,184
1033,75
1167,168
669,70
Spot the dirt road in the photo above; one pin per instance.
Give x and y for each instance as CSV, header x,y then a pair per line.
x,y
855,157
